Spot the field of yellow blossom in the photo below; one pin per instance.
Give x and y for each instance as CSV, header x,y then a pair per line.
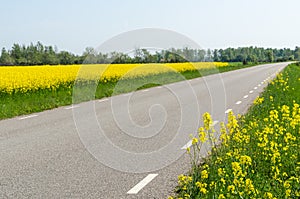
x,y
28,89
259,154
31,78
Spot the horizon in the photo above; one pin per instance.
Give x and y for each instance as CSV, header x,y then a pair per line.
x,y
80,54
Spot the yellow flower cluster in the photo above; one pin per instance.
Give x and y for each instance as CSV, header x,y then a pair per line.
x,y
258,100
31,78
281,82
257,157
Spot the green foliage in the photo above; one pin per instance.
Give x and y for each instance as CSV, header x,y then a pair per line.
x,y
36,55
255,54
41,55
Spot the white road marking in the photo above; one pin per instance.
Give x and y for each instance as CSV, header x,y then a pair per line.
x,y
187,145
159,87
255,88
103,100
251,91
145,90
258,85
71,107
142,184
228,110
27,117
215,122
238,102
245,96
261,82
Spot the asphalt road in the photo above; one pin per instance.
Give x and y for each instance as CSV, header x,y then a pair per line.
x,y
126,146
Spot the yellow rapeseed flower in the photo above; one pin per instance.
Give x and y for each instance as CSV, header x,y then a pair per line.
x,y
204,174
258,100
221,196
32,78
231,188
194,141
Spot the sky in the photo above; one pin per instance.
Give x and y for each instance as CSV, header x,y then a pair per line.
x,y
73,25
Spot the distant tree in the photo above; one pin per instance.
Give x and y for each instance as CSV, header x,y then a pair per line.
x,y
90,55
6,59
252,58
16,53
65,57
138,56
297,53
270,55
208,55
216,55
102,58
201,55
49,56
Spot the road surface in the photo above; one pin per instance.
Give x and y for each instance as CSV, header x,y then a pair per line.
x,y
126,146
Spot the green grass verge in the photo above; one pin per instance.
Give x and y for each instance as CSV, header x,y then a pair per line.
x,y
25,103
259,156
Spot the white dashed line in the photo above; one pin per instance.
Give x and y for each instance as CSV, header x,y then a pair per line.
x,y
238,102
27,117
251,91
228,110
159,87
103,100
142,184
187,145
71,107
261,82
259,85
145,90
215,122
255,88
245,96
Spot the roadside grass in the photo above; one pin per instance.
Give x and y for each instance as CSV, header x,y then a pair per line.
x,y
35,101
259,153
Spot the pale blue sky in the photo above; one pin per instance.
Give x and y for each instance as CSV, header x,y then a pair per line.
x,y
73,25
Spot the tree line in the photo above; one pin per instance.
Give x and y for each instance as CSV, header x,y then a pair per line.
x,y
38,54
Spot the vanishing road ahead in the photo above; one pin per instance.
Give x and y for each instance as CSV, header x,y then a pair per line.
x,y
127,146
